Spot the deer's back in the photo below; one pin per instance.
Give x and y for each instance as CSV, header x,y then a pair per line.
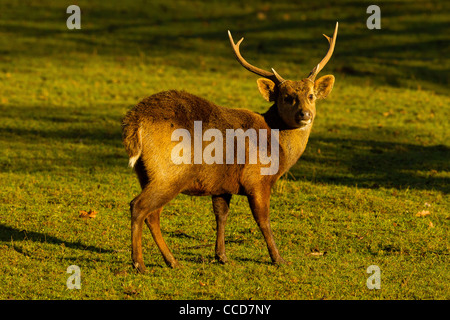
x,y
181,109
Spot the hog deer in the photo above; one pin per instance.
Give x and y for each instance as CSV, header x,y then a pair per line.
x,y
147,137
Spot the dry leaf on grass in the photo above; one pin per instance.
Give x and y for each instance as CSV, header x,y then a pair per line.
x,y
317,253
422,213
90,214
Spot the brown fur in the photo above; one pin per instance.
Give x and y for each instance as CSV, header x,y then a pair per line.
x,y
147,130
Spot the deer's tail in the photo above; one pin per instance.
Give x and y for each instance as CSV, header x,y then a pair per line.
x,y
132,140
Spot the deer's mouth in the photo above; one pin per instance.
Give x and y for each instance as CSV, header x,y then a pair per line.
x,y
304,123
301,121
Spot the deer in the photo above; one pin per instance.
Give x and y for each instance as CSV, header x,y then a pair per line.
x,y
147,132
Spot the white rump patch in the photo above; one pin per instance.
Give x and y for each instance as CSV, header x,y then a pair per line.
x,y
133,160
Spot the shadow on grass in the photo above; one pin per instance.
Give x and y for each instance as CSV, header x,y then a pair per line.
x,y
263,261
64,138
280,28
84,124
373,164
12,235
199,259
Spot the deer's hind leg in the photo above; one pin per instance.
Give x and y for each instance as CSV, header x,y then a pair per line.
x,y
152,222
147,206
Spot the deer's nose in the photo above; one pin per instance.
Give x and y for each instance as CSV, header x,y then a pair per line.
x,y
303,115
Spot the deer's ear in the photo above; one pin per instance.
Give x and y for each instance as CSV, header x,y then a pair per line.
x,y
268,89
323,86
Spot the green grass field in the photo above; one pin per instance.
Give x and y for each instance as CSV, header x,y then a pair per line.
x,y
378,153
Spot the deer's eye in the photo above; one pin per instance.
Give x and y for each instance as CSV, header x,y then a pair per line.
x,y
311,96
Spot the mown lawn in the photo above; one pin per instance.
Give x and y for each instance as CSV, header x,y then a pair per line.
x,y
378,154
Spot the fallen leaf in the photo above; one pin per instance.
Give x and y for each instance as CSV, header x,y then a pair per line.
x,y
317,253
422,213
85,215
431,225
202,284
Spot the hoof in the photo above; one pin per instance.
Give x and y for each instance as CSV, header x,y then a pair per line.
x,y
173,264
281,262
221,258
139,267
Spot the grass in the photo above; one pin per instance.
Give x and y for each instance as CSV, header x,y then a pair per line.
x,y
378,153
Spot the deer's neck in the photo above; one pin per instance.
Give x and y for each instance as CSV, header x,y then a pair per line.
x,y
292,140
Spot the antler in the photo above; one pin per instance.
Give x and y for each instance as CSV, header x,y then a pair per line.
x,y
275,77
324,61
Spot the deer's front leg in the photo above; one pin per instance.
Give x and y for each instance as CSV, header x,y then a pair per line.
x,y
221,205
260,203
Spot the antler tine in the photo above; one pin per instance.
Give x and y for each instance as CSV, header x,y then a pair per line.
x,y
319,67
275,77
279,78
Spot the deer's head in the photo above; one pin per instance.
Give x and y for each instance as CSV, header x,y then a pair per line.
x,y
295,100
